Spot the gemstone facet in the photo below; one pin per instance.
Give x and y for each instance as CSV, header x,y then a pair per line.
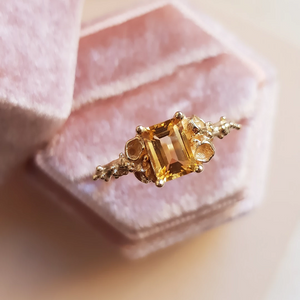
x,y
169,150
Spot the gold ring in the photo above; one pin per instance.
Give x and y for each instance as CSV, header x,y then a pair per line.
x,y
167,150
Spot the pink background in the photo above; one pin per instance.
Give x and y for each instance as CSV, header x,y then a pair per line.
x,y
44,253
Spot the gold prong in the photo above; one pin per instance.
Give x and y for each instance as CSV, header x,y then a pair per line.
x,y
140,129
199,168
179,115
159,183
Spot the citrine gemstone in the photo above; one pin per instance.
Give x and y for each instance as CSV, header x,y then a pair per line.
x,y
169,149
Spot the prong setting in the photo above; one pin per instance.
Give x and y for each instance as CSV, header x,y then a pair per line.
x,y
140,129
159,183
199,168
152,158
179,115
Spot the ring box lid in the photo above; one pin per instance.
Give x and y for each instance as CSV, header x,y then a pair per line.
x,y
38,47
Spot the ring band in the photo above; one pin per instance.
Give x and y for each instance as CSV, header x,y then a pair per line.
x,y
167,150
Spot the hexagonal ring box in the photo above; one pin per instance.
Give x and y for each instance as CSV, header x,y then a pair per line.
x,y
139,67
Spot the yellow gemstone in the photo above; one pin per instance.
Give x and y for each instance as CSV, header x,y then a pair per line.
x,y
169,150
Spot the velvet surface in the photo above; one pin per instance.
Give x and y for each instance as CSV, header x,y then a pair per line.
x,y
154,45
38,49
207,78
97,132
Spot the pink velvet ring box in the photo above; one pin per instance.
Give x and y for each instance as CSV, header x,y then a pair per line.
x,y
38,46
138,68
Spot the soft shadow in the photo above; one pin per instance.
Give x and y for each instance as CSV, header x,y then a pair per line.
x,y
40,243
